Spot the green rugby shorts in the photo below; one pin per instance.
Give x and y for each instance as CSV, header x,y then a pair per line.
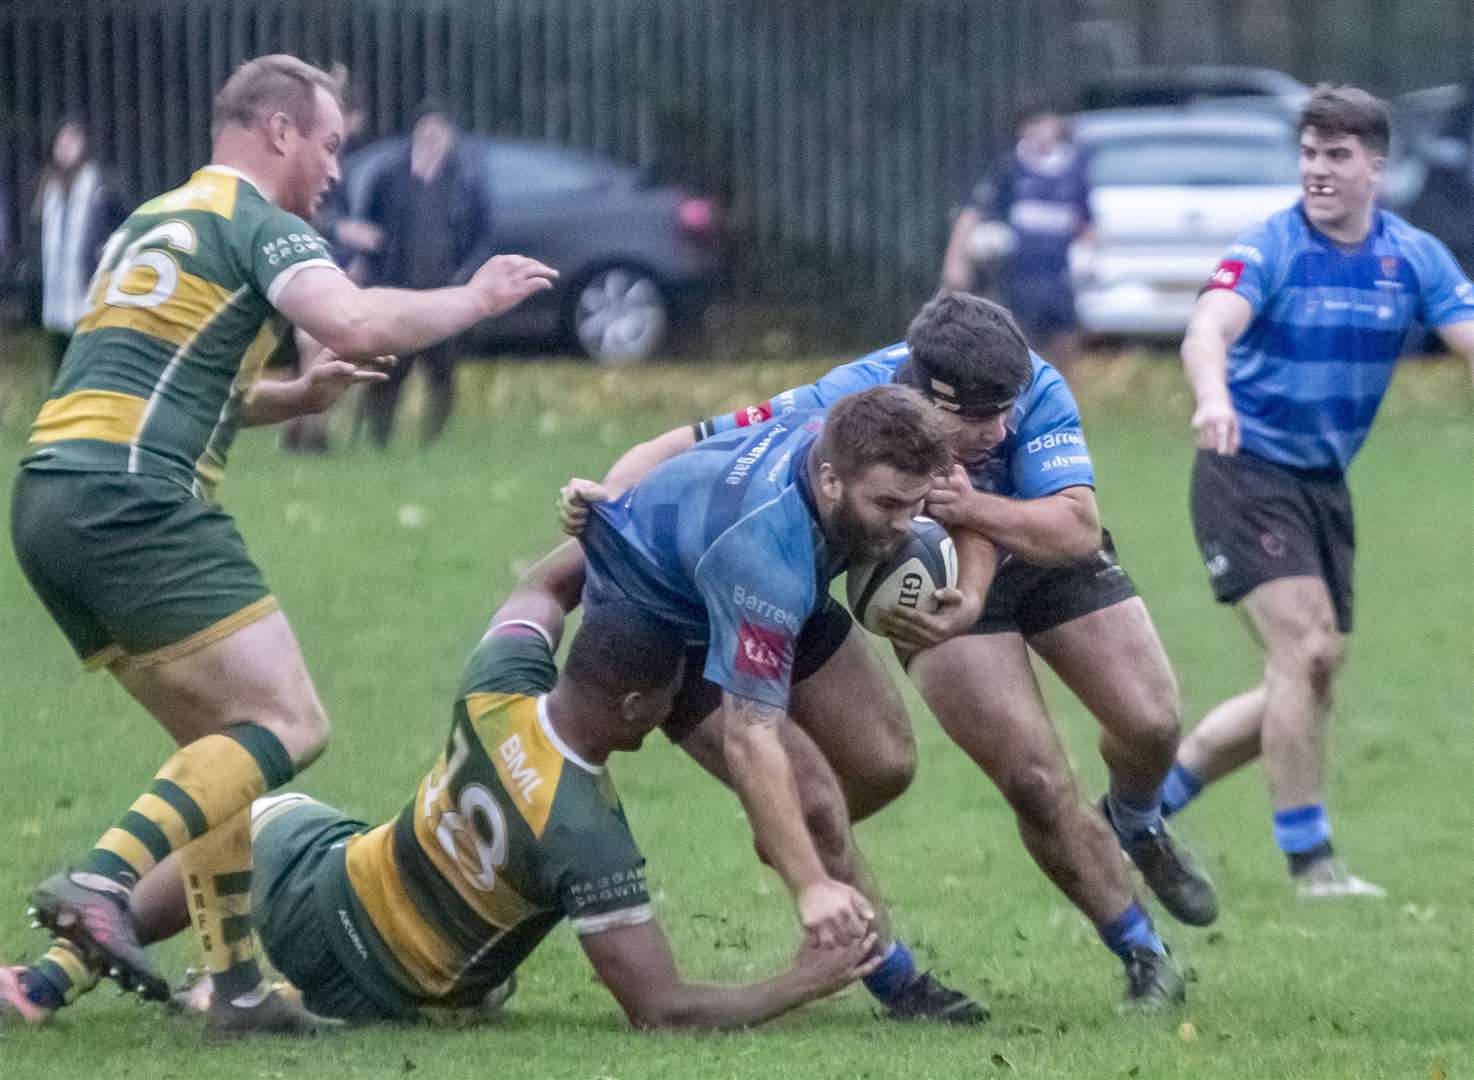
x,y
133,568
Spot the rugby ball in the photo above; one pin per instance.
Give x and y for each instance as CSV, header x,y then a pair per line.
x,y
925,561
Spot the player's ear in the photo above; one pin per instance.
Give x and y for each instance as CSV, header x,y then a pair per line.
x,y
278,128
830,484
629,706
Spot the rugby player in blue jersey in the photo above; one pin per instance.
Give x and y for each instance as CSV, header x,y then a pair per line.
x,y
736,543
1289,352
1058,588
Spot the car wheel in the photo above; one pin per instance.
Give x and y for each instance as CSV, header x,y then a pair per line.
x,y
620,316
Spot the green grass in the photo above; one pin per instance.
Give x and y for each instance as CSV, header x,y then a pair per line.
x,y
386,615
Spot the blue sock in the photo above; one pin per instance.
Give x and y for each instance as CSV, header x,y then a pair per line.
x,y
896,971
1130,817
1301,828
1180,788
1133,928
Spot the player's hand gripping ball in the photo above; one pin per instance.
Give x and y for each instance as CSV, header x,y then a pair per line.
x,y
925,562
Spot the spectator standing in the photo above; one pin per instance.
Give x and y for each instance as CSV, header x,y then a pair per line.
x,y
77,208
429,225
1031,208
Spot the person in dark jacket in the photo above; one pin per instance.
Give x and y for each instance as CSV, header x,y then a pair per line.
x,y
429,223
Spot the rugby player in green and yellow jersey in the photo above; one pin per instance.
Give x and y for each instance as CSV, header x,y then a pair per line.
x,y
114,525
516,827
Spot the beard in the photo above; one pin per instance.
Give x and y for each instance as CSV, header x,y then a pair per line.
x,y
853,540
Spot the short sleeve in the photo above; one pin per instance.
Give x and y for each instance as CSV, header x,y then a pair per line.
x,y
1447,295
598,876
281,246
1049,452
758,584
1246,267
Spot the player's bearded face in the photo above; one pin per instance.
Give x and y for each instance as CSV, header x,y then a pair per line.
x,y
873,513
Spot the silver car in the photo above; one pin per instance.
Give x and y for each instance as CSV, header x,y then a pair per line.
x,y
1170,190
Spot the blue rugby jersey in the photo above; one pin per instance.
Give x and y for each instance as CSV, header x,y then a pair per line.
x,y
1309,372
723,541
1043,453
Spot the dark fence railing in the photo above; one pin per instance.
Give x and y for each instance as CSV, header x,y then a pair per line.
x,y
837,134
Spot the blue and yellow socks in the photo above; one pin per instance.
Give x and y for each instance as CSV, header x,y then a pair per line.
x,y
58,978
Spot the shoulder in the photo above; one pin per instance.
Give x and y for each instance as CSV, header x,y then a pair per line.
x,y
1417,245
1048,401
872,369
510,663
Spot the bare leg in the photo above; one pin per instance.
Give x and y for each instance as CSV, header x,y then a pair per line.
x,y
1114,662
984,694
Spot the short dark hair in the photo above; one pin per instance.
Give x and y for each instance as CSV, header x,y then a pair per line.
x,y
967,354
272,84
621,647
887,425
1338,111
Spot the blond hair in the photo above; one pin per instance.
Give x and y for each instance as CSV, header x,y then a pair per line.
x,y
273,84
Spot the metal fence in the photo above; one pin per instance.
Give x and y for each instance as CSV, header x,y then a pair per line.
x,y
837,134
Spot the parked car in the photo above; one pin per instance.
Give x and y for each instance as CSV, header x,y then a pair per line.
x,y
1171,189
635,258
1263,89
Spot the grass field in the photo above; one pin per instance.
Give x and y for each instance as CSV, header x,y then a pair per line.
x,y
387,612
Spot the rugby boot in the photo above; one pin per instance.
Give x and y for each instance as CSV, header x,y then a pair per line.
x,y
924,998
1171,872
94,917
1153,981
1328,878
14,1004
272,1009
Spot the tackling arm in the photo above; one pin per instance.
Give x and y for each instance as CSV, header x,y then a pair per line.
x,y
636,964
1052,530
546,592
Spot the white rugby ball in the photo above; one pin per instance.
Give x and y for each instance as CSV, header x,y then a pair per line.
x,y
925,562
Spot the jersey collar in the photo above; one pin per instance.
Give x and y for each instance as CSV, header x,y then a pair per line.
x,y
230,170
1373,234
557,740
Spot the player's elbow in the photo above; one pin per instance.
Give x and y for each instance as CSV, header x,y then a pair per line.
x,y
667,1012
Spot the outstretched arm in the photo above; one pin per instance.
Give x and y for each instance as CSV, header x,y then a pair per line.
x,y
636,964
352,321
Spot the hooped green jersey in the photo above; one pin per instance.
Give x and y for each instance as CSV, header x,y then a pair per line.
x,y
509,833
180,323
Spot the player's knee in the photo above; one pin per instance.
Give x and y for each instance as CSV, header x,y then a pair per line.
x,y
1039,796
1159,728
302,726
1312,653
889,774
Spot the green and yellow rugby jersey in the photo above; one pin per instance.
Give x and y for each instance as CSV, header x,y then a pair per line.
x,y
511,832
179,325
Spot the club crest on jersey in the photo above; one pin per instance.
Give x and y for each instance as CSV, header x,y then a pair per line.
x,y
1226,274
1389,266
762,653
